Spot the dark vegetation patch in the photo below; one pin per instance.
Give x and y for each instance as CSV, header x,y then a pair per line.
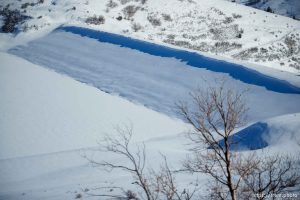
x,y
96,20
11,19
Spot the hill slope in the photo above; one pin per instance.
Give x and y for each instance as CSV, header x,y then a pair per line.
x,y
215,27
289,8
44,112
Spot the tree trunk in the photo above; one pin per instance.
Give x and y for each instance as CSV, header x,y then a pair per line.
x,y
228,169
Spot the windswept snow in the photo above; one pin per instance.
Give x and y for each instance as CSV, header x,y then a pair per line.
x,y
49,121
154,81
44,112
279,132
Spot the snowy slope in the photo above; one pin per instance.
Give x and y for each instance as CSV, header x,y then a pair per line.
x,y
43,112
215,27
49,121
154,81
290,8
53,120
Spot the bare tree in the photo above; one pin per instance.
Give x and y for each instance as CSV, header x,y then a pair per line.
x,y
272,176
154,185
216,113
169,187
120,145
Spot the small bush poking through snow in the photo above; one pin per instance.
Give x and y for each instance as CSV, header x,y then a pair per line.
x,y
136,27
153,20
228,20
111,4
143,1
11,18
95,20
129,11
131,195
25,5
222,47
167,17
236,16
124,1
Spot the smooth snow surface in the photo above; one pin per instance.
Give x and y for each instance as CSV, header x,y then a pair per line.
x,y
49,121
44,112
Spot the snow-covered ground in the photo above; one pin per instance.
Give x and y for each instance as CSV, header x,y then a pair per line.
x,y
214,27
290,8
48,120
56,113
154,81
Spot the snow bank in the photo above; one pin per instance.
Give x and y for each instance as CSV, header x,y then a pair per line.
x,y
43,112
282,132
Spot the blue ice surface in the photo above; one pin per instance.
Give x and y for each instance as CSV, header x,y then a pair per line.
x,y
193,59
251,138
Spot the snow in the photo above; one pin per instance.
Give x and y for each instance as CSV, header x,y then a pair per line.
x,y
290,8
275,132
153,81
45,112
53,120
48,120
192,22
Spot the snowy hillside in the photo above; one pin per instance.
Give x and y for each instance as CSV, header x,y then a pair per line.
x,y
289,8
215,27
152,80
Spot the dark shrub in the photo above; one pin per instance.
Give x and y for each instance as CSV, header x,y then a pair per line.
x,y
78,196
269,9
154,21
11,19
129,11
136,27
167,17
95,20
111,4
